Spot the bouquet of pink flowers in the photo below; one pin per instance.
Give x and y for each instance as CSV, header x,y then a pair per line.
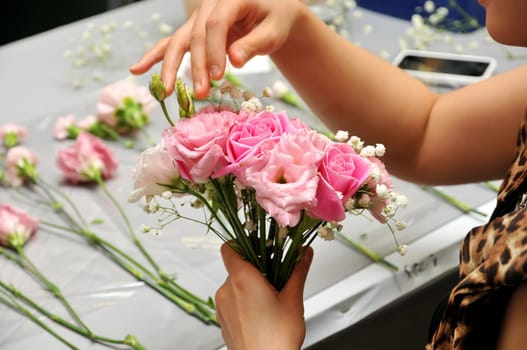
x,y
270,183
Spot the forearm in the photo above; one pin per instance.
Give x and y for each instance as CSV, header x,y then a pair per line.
x,y
354,90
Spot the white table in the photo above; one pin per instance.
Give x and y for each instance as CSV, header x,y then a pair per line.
x,y
343,287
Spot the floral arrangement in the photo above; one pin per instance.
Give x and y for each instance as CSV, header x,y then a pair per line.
x,y
270,184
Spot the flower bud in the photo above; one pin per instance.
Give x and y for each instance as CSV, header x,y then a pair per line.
x,y
184,99
157,88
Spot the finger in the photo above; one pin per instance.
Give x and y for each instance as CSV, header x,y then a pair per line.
x,y
198,57
294,287
262,40
151,57
218,26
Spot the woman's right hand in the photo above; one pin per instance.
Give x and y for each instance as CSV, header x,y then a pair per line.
x,y
240,29
252,314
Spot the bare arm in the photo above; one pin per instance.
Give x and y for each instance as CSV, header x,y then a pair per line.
x,y
464,136
467,135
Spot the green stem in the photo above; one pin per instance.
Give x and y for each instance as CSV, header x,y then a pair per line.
x,y
51,287
12,304
165,112
57,319
464,207
128,224
373,256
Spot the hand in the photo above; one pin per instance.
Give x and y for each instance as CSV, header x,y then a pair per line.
x,y
252,314
240,29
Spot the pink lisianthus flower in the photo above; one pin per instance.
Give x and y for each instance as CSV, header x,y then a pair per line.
x,y
12,134
246,136
65,128
153,174
284,176
125,105
16,226
20,166
87,160
197,144
342,172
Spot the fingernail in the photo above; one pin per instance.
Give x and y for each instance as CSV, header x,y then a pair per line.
x,y
198,86
214,71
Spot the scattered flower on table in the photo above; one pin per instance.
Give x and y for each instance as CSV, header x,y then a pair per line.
x,y
86,160
16,226
20,166
125,105
12,134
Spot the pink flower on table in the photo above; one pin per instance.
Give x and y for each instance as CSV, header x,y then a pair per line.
x,y
65,127
16,226
197,144
12,134
284,175
87,160
342,172
246,137
20,165
112,106
86,123
153,174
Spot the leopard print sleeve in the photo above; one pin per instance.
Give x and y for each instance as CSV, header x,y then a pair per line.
x,y
493,261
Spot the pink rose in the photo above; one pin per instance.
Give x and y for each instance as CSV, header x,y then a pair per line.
x,y
63,127
112,98
16,226
342,172
20,165
86,160
245,137
197,144
11,134
153,173
284,176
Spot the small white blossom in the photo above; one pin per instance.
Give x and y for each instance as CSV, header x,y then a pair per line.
x,y
364,200
350,204
356,143
326,233
402,249
400,225
401,201
367,29
368,151
382,190
380,150
250,225
153,207
341,136
251,105
279,88
145,229
165,28
167,195
389,210
417,21
429,6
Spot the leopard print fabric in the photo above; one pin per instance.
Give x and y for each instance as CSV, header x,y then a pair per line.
x,y
493,261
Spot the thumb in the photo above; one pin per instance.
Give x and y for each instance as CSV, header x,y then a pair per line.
x,y
294,287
